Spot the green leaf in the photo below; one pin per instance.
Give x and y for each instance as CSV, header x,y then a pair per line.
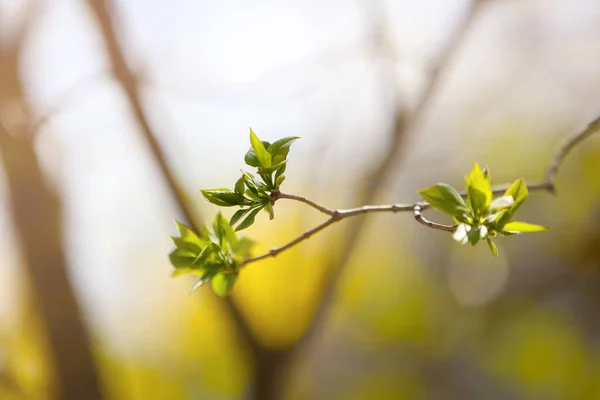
x,y
237,216
249,180
279,180
479,190
224,232
204,255
271,169
249,219
280,148
501,203
223,197
181,258
280,171
269,209
263,156
239,186
518,191
188,247
473,236
250,157
189,236
522,227
493,247
223,283
445,198
208,274
199,282
180,271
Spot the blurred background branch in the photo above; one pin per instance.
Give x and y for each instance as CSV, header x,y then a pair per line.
x,y
36,219
130,85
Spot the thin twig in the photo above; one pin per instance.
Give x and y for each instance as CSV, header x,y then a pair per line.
x,y
302,199
276,250
592,128
418,207
434,225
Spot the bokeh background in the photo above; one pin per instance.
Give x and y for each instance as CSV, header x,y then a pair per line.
x,y
115,113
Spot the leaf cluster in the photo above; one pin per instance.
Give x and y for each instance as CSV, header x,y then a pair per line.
x,y
254,193
481,216
215,256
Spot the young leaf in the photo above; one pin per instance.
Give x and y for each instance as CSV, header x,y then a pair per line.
x,y
224,231
188,235
181,258
271,169
181,271
493,247
223,283
445,198
518,191
263,156
237,216
203,256
279,180
474,235
249,219
522,227
223,197
280,171
479,190
250,157
239,186
280,148
269,209
188,247
501,203
199,282
208,274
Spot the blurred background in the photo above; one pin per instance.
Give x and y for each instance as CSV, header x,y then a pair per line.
x,y
115,112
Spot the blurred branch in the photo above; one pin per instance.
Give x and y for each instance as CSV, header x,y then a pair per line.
x,y
130,85
37,221
593,127
380,173
36,217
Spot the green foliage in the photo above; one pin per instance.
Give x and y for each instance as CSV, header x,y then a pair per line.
x,y
250,193
481,217
445,198
215,256
218,256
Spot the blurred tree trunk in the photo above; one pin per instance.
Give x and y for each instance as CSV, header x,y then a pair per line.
x,y
36,217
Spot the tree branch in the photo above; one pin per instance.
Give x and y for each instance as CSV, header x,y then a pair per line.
x,y
130,85
566,148
416,208
304,200
422,220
